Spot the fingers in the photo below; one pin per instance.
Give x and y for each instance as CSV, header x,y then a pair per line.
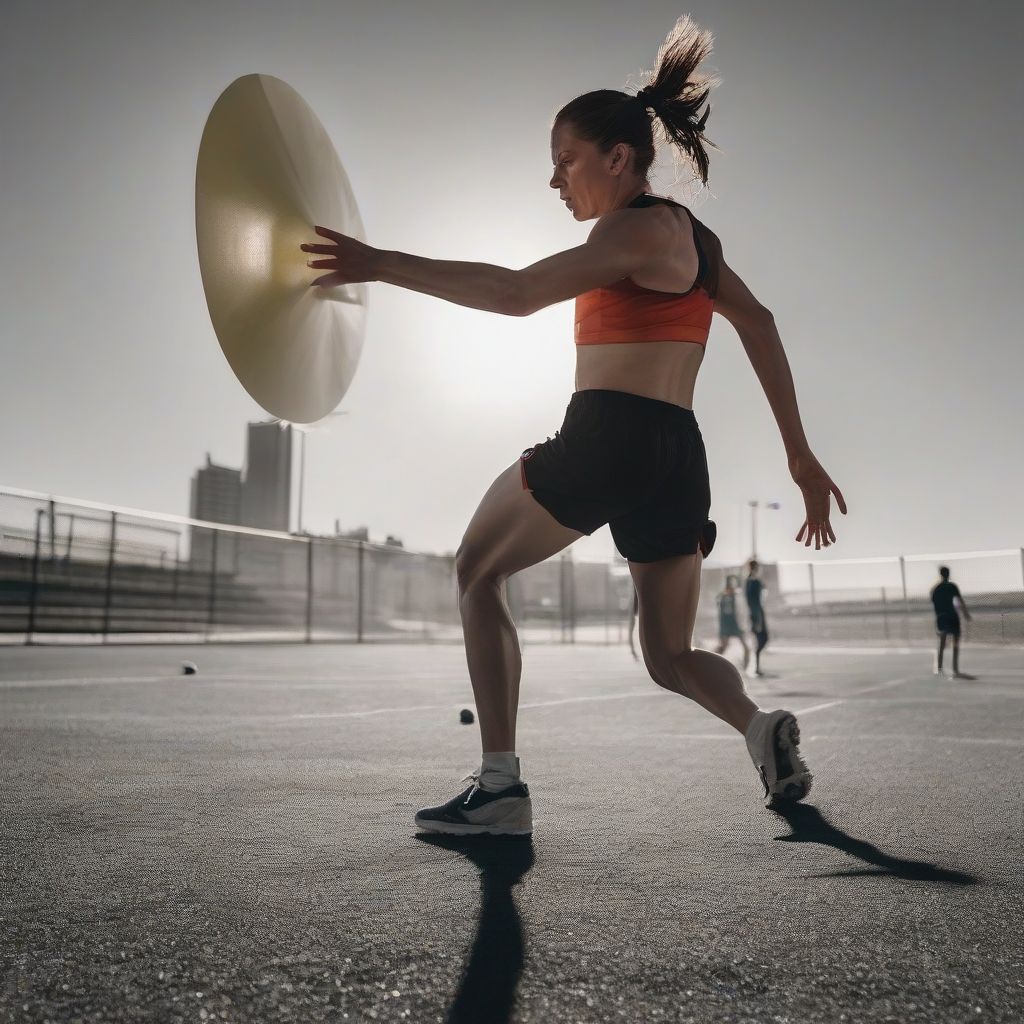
x,y
328,233
840,500
323,263
821,534
312,247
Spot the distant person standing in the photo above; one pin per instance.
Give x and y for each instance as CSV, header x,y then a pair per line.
x,y
728,620
754,590
945,596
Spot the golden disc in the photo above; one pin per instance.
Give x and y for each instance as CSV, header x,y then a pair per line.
x,y
266,174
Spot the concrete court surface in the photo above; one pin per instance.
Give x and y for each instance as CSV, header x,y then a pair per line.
x,y
238,845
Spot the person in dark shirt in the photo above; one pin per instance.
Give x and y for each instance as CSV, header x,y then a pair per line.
x,y
945,596
754,590
728,620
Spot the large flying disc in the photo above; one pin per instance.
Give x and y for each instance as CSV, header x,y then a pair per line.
x,y
266,174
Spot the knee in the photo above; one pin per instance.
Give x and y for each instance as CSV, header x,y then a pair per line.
x,y
473,570
668,666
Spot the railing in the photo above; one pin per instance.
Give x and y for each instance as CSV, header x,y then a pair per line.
x,y
78,569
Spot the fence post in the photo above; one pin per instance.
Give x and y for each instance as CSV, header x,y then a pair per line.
x,y
360,574
607,601
309,591
71,533
109,596
906,603
1022,566
33,599
177,567
211,609
885,616
564,600
814,600
53,530
571,576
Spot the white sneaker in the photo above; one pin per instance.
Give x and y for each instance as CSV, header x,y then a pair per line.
x,y
773,742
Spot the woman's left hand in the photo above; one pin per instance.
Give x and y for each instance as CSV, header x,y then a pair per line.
x,y
818,490
349,260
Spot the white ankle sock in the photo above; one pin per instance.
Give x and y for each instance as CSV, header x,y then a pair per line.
x,y
755,730
499,770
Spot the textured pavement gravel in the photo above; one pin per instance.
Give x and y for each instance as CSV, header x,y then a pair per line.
x,y
238,845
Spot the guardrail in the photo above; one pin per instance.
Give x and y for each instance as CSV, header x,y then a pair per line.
x,y
76,569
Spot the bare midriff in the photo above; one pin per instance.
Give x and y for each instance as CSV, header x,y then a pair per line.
x,y
664,370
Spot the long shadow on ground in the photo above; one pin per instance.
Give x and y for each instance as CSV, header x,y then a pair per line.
x,y
809,825
487,988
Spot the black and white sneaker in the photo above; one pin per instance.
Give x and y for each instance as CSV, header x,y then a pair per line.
x,y
477,811
774,745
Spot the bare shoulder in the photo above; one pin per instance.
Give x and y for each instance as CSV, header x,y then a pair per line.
x,y
652,227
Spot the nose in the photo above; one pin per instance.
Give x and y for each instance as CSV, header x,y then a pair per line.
x,y
555,180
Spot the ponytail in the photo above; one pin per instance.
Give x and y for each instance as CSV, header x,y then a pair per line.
x,y
675,94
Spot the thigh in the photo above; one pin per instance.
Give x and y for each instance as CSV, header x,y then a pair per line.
x,y
668,590
672,520
509,531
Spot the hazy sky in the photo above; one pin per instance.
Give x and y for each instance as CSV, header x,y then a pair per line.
x,y
867,188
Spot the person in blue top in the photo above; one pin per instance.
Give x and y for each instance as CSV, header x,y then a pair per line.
x,y
754,590
728,620
945,597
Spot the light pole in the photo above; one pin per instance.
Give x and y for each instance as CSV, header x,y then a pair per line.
x,y
303,429
754,506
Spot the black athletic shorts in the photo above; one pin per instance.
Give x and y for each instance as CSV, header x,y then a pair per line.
x,y
635,463
947,622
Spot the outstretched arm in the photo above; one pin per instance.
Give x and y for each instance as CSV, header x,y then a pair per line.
x,y
621,243
755,326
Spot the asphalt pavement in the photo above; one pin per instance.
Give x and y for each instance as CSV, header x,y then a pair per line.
x,y
238,844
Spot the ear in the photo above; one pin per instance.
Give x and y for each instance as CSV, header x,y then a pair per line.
x,y
619,157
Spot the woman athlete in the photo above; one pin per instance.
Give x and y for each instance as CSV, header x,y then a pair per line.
x,y
629,453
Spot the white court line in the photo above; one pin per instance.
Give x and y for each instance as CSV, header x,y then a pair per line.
x,y
442,707
888,685
377,711
193,680
903,737
18,684
606,696
586,700
843,651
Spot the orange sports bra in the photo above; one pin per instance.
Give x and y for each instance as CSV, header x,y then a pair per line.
x,y
625,312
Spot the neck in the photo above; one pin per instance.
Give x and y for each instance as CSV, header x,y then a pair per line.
x,y
628,193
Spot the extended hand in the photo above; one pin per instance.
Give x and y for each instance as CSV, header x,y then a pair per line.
x,y
817,488
349,259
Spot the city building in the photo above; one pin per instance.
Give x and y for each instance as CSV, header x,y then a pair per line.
x,y
216,497
267,486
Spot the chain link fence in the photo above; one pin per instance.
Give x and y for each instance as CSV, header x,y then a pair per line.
x,y
78,570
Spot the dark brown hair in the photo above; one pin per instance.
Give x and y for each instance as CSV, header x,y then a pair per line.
x,y
675,93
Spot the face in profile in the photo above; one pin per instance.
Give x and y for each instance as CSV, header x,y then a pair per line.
x,y
585,177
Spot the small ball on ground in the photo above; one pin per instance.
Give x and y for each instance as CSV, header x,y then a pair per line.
x,y
188,668
466,716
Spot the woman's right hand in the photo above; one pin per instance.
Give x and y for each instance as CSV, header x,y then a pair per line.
x,y
817,488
